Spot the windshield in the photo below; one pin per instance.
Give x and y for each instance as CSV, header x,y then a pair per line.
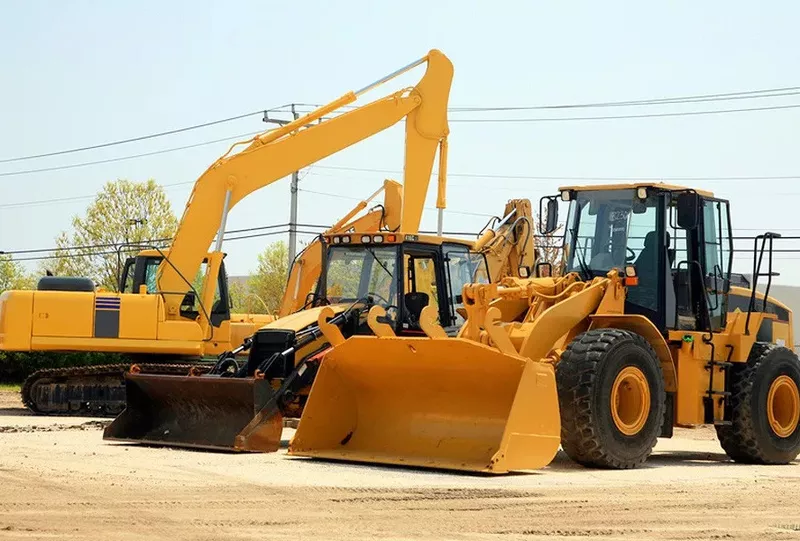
x,y
607,229
357,271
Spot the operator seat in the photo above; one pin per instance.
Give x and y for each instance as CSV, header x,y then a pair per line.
x,y
414,302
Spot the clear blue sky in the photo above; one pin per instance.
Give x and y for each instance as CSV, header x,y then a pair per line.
x,y
78,73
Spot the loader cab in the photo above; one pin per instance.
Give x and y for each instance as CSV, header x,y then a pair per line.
x,y
403,276
677,241
142,271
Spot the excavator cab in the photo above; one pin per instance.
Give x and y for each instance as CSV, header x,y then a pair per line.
x,y
142,270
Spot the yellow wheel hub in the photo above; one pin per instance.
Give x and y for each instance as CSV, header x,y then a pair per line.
x,y
630,400
783,406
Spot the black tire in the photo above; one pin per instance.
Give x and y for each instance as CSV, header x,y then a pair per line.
x,y
749,438
585,376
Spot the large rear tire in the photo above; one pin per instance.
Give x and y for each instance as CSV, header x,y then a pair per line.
x,y
612,399
765,408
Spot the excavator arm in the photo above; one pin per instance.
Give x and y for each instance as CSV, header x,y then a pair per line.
x,y
277,153
509,245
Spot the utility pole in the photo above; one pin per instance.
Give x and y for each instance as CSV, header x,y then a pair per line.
x,y
293,208
292,189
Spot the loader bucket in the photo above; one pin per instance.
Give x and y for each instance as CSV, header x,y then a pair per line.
x,y
432,402
194,411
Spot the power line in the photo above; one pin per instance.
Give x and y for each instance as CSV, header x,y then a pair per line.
x,y
620,117
75,198
113,252
141,137
139,243
564,178
121,158
339,196
676,100
700,98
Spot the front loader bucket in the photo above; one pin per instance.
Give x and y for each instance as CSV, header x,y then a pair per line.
x,y
432,402
195,411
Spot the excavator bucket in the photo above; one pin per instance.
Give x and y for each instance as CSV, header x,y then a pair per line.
x,y
195,411
432,402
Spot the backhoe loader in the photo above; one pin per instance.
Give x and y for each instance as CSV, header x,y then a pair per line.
x,y
645,328
394,276
163,317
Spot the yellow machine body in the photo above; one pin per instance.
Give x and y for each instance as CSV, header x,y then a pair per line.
x,y
471,412
194,411
487,400
134,322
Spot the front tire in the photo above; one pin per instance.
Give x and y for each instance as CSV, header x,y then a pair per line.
x,y
765,408
612,399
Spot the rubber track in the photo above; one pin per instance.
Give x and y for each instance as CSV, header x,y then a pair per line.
x,y
103,370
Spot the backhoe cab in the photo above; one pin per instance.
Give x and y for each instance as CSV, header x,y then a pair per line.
x,y
644,328
240,406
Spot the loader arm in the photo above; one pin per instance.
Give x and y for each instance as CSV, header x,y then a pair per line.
x,y
277,153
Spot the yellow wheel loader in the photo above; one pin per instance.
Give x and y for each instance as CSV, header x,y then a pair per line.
x,y
645,328
163,318
390,282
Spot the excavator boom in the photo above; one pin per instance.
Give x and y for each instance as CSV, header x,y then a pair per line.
x,y
277,153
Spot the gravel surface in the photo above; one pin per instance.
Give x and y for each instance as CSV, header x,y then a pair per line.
x,y
61,480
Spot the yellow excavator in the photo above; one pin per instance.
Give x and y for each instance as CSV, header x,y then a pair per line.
x,y
645,328
393,276
160,317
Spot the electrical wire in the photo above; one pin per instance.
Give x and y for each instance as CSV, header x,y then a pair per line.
x,y
142,137
339,196
130,157
568,178
112,252
620,117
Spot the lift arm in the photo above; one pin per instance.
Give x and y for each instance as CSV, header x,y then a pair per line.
x,y
277,153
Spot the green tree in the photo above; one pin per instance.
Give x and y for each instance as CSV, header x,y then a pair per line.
x,y
264,289
13,275
123,212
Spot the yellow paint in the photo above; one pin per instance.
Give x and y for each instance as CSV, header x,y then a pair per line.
x,y
468,407
63,314
783,406
630,400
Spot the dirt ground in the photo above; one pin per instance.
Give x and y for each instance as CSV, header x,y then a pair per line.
x,y
58,479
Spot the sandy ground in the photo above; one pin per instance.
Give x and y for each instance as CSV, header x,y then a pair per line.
x,y
58,479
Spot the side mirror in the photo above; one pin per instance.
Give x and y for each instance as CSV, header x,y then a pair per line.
x,y
551,212
688,210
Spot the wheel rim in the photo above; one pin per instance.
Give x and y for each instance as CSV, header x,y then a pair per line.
x,y
783,406
630,400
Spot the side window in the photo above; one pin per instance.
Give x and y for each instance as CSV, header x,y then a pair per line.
x,y
191,302
717,253
641,234
463,267
425,280
150,275
127,286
